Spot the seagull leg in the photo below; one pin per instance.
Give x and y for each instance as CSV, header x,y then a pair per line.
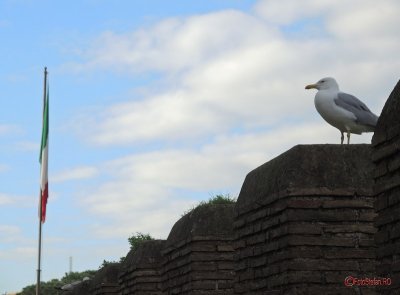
x,y
341,138
348,137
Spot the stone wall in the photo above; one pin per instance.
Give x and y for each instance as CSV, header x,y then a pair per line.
x,y
386,156
141,271
304,222
105,282
82,289
198,257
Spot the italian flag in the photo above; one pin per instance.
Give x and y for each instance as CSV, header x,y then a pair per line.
x,y
44,156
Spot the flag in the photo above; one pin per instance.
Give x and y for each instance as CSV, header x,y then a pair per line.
x,y
44,155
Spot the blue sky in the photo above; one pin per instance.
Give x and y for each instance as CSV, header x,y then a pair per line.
x,y
157,105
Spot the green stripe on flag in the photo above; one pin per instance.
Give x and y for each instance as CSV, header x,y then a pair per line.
x,y
45,131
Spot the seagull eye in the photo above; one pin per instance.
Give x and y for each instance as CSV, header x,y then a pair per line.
x,y
322,81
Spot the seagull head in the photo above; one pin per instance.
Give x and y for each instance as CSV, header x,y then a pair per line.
x,y
324,84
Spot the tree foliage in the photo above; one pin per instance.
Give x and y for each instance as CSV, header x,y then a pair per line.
x,y
138,238
134,241
50,287
217,199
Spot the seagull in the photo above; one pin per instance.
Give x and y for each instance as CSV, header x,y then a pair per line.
x,y
343,111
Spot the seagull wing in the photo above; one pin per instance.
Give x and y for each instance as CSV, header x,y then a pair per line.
x,y
357,107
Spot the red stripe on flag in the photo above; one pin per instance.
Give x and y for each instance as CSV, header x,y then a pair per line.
x,y
44,196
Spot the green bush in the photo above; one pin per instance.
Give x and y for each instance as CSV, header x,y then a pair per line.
x,y
217,199
137,239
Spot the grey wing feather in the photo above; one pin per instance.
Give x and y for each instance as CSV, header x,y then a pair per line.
x,y
357,107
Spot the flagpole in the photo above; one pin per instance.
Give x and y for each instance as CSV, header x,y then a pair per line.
x,y
40,202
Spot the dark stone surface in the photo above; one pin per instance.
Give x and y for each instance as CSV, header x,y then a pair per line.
x,y
204,221
141,271
304,222
389,121
105,282
386,157
147,253
81,289
199,252
309,170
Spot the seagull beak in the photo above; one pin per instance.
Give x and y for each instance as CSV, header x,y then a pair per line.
x,y
311,86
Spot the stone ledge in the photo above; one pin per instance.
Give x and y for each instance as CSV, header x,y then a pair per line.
x,y
341,170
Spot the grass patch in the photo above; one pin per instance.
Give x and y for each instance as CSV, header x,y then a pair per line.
x,y
217,199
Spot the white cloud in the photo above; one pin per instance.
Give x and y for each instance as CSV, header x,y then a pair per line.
x,y
360,20
234,86
174,44
356,19
83,172
230,69
149,191
213,98
289,11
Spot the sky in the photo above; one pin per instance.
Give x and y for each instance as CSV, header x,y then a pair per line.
x,y
156,105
